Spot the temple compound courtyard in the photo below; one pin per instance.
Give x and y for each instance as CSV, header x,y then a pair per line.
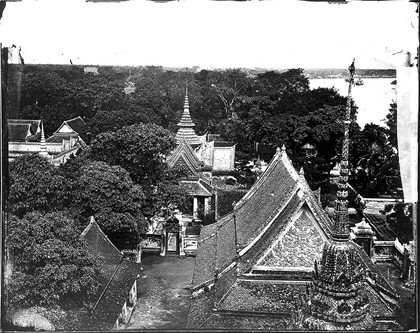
x,y
164,296
163,292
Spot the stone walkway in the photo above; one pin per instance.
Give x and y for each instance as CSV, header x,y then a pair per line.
x,y
164,296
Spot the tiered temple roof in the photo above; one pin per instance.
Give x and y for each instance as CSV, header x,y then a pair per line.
x,y
186,127
254,266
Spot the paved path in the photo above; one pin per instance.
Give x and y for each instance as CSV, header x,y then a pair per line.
x,y
164,296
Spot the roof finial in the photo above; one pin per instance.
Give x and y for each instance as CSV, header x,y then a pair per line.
x,y
278,150
283,148
186,104
301,172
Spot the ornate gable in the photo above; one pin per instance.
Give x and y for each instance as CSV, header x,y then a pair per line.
x,y
184,159
297,246
184,168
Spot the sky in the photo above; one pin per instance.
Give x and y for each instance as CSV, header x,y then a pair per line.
x,y
212,34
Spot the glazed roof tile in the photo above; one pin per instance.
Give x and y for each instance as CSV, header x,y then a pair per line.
x,y
226,245
117,292
18,132
98,243
204,268
264,296
272,190
118,272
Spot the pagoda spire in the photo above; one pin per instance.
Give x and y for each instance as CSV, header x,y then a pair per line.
x,y
186,126
337,299
341,216
43,147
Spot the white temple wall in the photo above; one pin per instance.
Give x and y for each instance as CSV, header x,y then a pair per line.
x,y
224,158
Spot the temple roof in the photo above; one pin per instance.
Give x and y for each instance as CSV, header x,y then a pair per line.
x,y
270,195
76,124
268,206
186,127
185,153
197,187
117,275
229,249
19,130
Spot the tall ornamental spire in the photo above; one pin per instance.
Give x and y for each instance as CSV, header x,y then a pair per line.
x,y
337,298
43,147
341,215
186,126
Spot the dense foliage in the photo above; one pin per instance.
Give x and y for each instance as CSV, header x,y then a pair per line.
x,y
140,149
34,184
246,107
51,266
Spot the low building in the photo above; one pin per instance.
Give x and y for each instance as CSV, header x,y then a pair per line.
x,y
27,136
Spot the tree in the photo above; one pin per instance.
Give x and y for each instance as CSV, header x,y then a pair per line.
x,y
160,95
165,195
51,266
54,94
34,184
113,120
140,149
108,193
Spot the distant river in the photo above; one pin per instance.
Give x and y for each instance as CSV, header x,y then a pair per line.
x,y
373,98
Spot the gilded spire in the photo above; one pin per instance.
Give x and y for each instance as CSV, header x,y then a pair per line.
x,y
186,126
341,215
186,120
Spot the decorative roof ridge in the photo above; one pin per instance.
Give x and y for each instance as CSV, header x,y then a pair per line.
x,y
314,206
381,299
280,156
92,222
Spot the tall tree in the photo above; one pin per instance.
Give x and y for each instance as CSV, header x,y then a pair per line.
x,y
108,193
140,149
51,266
34,184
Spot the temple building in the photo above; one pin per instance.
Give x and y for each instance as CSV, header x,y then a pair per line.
x,y
255,265
27,136
278,261
212,152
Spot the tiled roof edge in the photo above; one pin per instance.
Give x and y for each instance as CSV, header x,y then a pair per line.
x,y
268,224
278,157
